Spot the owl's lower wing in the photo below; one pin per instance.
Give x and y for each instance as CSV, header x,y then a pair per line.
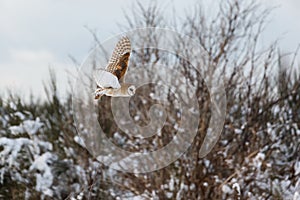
x,y
106,79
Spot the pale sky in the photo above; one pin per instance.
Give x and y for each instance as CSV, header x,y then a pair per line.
x,y
36,35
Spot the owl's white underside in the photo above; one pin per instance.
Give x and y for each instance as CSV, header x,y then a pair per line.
x,y
106,79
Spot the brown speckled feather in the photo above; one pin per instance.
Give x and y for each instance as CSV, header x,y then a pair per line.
x,y
118,63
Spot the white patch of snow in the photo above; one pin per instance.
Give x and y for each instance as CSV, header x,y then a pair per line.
x,y
171,184
297,168
297,191
259,158
296,195
276,109
226,189
79,141
238,131
12,105
169,195
28,126
79,196
20,115
11,149
136,118
192,186
44,179
4,120
11,157
16,130
236,186
206,163
32,127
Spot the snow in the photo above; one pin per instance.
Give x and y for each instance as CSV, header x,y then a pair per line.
x,y
192,186
78,197
226,189
44,177
206,163
119,138
12,105
237,187
171,184
3,120
136,118
79,141
131,197
169,195
11,149
32,127
11,155
258,160
20,115
297,168
296,195
27,126
16,130
238,131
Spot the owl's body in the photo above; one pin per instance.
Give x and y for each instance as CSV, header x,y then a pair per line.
x,y
110,82
126,90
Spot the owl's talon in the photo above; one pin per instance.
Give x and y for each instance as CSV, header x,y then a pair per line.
x,y
99,92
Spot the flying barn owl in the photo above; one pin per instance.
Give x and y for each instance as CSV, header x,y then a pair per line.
x,y
110,82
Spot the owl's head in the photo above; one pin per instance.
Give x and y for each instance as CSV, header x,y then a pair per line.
x,y
131,90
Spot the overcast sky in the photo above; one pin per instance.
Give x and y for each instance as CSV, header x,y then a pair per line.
x,y
38,34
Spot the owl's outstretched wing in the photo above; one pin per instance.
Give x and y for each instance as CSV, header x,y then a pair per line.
x,y
105,79
118,63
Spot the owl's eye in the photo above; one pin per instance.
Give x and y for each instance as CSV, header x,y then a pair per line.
x,y
131,90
